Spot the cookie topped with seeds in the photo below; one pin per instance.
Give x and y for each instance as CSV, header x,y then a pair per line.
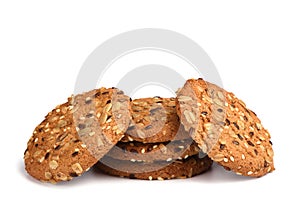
x,y
225,128
159,170
76,134
154,120
148,152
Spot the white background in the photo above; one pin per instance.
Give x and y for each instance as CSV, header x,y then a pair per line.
x,y
255,45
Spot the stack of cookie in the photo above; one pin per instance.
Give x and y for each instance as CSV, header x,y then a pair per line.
x,y
149,138
155,146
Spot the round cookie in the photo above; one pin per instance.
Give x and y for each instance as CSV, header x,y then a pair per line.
x,y
230,133
76,134
141,152
186,168
154,120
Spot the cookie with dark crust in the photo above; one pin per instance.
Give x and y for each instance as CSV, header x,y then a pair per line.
x,y
225,128
154,120
159,170
76,134
149,152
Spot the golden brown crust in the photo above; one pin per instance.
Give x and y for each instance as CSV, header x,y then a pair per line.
x,y
231,134
76,134
156,171
154,120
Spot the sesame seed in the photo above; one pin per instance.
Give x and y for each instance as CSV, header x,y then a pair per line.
x,y
91,133
225,159
243,157
150,178
53,164
258,142
250,172
270,152
261,138
41,159
88,100
82,118
269,169
218,157
258,126
98,115
231,158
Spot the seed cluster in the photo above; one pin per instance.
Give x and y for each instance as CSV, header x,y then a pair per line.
x,y
226,129
156,170
153,116
154,120
67,142
150,138
147,152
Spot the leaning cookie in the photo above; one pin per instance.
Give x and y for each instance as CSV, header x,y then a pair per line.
x,y
159,170
154,120
230,133
76,134
149,152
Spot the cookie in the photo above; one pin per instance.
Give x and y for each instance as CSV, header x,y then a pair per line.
x,y
225,128
76,134
186,168
141,152
154,120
